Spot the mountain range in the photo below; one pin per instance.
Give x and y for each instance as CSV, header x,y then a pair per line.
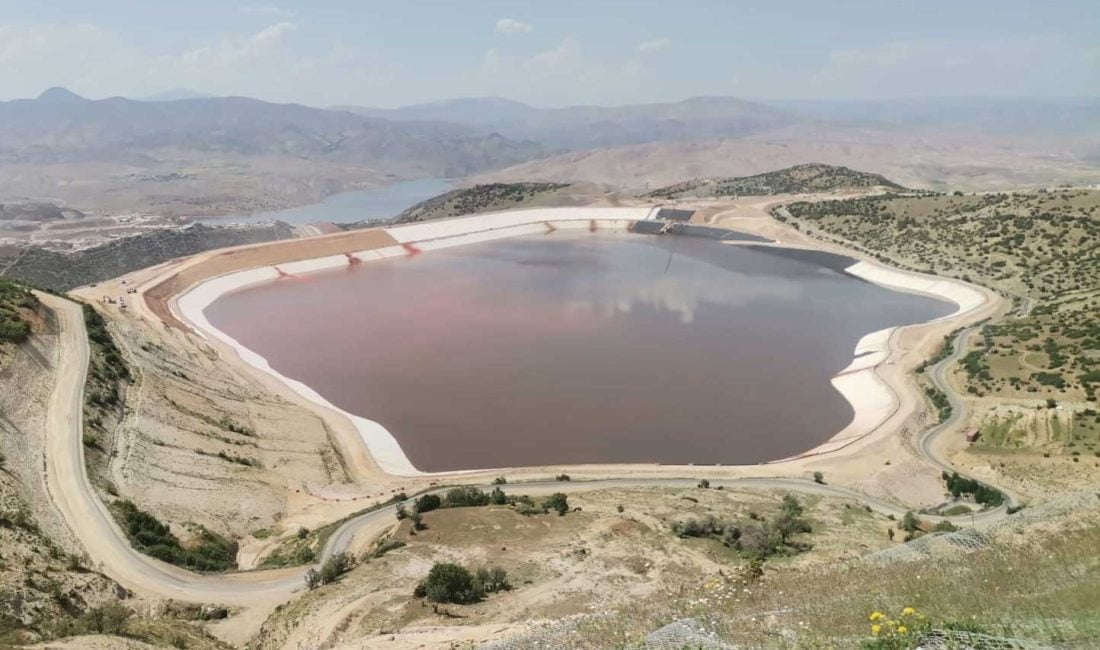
x,y
60,126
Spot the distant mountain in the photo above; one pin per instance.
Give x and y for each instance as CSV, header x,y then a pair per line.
x,y
175,94
812,177
60,126
989,115
590,127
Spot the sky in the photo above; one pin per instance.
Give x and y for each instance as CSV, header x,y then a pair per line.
x,y
551,52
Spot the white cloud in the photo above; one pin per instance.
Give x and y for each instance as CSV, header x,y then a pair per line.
x,y
267,10
566,56
512,26
653,45
904,67
234,51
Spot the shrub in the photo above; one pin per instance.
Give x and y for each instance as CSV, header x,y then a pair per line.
x,y
427,503
819,478
334,567
110,618
148,535
449,583
497,497
462,497
562,477
557,502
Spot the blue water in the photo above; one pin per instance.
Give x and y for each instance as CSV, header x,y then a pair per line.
x,y
374,203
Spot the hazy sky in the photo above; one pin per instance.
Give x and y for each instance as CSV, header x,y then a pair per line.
x,y
551,52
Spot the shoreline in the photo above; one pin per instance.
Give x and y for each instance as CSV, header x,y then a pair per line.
x,y
873,399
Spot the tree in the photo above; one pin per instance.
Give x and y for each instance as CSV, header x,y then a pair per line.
x,y
334,567
461,497
417,521
497,497
449,583
558,502
819,478
910,523
427,503
313,579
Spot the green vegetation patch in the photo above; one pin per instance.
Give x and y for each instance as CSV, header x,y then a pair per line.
x,y
210,552
1042,248
472,200
812,177
15,303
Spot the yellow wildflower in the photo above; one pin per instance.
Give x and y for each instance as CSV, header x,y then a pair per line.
x,y
876,629
875,616
903,630
908,611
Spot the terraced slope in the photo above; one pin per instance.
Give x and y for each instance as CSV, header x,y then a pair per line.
x,y
812,177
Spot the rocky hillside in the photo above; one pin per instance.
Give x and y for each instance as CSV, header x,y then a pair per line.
x,y
479,198
812,177
61,272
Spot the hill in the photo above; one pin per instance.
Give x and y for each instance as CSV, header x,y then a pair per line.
x,y
222,155
60,126
915,158
61,272
812,177
588,127
1042,248
479,198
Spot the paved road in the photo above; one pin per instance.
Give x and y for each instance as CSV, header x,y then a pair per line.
x,y
109,549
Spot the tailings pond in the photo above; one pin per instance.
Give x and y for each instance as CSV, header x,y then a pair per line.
x,y
578,348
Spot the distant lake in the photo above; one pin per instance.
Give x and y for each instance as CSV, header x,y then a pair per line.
x,y
578,348
374,203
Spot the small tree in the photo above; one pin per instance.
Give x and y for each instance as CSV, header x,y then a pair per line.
x,y
562,477
910,523
427,503
704,484
557,502
334,567
313,579
417,521
819,478
497,497
449,583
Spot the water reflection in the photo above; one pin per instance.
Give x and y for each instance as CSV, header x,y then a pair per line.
x,y
578,348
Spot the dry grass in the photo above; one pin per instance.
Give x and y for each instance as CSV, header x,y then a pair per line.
x,y
1038,584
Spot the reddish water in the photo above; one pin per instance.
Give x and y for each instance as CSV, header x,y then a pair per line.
x,y
578,348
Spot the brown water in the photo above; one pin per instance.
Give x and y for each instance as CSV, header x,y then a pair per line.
x,y
578,348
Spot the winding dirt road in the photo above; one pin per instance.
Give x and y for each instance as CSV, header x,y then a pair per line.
x,y
109,549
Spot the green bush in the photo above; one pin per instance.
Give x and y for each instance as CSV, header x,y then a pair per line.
x,y
148,535
427,503
452,583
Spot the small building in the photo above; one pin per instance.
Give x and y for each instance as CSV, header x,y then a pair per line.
x,y
972,434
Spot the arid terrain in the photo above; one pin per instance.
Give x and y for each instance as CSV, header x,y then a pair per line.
x,y
159,487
